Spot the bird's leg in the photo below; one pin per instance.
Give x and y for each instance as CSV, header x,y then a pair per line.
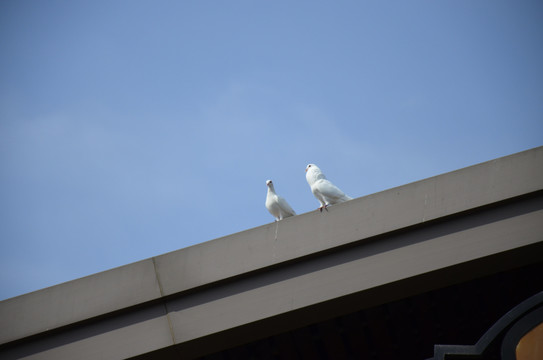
x,y
323,206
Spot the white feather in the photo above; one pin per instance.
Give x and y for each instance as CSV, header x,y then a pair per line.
x,y
277,205
322,188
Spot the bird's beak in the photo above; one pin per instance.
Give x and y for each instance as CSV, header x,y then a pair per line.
x,y
305,169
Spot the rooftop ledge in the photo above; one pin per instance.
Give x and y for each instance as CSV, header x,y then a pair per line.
x,y
219,261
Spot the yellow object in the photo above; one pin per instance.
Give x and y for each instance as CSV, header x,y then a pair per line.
x,y
530,347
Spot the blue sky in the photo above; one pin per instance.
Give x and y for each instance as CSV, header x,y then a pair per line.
x,y
132,128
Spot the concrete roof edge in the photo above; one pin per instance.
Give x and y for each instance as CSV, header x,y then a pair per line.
x,y
271,244
365,217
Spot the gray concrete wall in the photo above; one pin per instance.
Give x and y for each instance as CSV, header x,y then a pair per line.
x,y
484,213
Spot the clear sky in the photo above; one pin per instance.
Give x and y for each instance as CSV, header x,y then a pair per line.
x,y
132,128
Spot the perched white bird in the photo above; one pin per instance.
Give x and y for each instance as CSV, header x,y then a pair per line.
x,y
277,205
326,192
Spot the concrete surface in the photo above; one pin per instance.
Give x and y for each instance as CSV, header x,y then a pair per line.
x,y
434,229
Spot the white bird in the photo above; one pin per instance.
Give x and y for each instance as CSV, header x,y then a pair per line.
x,y
277,205
326,192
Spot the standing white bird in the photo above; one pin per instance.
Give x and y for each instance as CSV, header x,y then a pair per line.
x,y
277,205
326,192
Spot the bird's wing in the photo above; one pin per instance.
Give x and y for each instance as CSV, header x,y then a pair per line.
x,y
317,193
285,207
330,192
